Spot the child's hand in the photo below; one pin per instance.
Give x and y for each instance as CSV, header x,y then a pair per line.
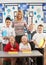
x,y
12,49
39,46
5,38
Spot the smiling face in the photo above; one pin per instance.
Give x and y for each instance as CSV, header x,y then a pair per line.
x,y
31,26
7,23
40,29
12,40
19,15
24,39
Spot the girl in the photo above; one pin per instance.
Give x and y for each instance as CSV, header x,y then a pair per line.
x,y
13,47
24,46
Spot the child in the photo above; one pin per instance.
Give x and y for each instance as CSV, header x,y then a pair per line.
x,y
37,40
11,46
24,47
31,31
7,31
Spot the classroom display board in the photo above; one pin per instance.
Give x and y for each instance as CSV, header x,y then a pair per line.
x,y
32,12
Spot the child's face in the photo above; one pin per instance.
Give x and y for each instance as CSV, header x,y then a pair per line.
x,y
24,40
8,23
12,40
31,27
40,29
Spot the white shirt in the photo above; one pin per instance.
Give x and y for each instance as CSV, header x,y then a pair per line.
x,y
7,32
38,37
22,46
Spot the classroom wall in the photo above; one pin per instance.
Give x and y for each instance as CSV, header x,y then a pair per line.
x,y
21,1
8,9
38,13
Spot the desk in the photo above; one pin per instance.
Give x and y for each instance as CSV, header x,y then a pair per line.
x,y
34,53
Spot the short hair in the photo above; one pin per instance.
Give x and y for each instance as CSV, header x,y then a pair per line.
x,y
40,25
24,36
8,18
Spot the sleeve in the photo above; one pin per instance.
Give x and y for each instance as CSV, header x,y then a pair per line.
x,y
13,24
45,36
34,37
20,46
29,46
1,31
25,23
7,48
13,32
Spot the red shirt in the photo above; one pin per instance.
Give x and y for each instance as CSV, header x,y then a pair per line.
x,y
9,47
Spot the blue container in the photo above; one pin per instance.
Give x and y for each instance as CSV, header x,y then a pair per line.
x,y
4,33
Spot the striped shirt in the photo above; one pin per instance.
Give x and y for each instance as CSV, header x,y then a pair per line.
x,y
19,28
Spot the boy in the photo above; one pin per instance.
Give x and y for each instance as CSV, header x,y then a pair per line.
x,y
31,31
7,31
37,40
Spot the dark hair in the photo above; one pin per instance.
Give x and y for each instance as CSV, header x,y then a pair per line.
x,y
8,18
40,25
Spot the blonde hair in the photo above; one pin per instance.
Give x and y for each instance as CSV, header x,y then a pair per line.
x,y
21,12
24,36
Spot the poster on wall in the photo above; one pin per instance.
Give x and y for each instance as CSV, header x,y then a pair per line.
x,y
44,16
44,11
1,16
44,7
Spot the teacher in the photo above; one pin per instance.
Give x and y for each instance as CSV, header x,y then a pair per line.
x,y
19,25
